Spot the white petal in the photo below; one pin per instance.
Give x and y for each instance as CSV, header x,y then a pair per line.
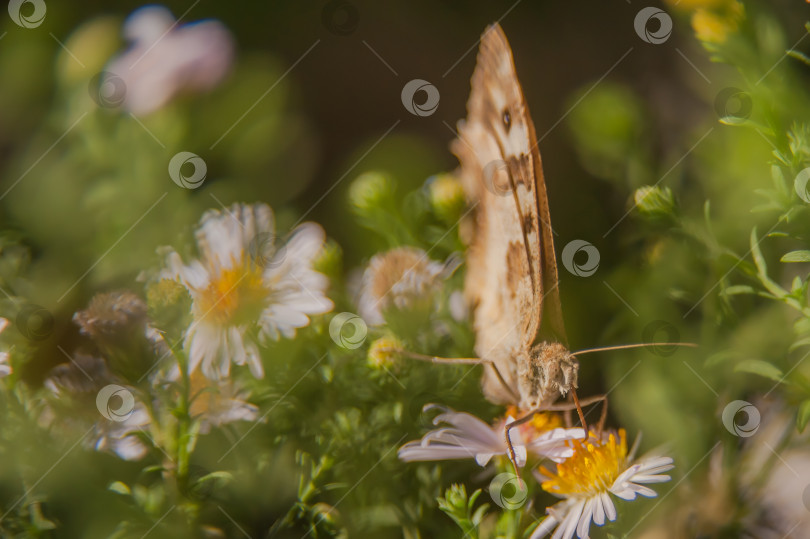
x,y
610,509
544,528
585,520
598,511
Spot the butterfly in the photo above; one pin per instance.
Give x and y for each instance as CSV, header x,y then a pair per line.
x,y
512,282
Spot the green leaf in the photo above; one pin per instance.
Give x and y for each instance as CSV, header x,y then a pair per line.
x,y
120,488
803,416
796,256
719,358
800,343
756,253
739,289
799,56
761,368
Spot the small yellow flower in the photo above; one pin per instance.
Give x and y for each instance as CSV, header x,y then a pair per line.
x,y
370,190
599,467
714,24
447,197
691,5
382,352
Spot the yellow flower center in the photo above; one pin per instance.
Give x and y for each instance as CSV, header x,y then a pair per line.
x,y
592,469
539,423
234,296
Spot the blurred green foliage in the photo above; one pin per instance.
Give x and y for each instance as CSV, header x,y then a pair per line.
x,y
710,247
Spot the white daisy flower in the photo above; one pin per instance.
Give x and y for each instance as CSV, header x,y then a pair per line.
x,y
469,437
402,278
166,59
120,436
585,481
216,403
242,281
5,368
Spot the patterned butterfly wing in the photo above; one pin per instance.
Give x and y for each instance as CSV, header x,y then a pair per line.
x,y
511,269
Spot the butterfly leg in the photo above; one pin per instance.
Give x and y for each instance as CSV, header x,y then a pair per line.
x,y
462,361
578,405
512,454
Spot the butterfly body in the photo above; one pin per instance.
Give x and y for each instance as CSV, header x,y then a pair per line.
x,y
511,279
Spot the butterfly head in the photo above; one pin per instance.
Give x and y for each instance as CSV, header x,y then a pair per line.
x,y
550,372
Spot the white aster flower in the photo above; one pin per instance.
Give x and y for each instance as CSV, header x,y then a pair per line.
x,y
166,59
402,278
216,403
586,480
469,437
242,281
120,437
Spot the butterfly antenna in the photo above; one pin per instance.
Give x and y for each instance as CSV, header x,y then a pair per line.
x,y
640,345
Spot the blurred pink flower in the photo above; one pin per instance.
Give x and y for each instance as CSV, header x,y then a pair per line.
x,y
166,59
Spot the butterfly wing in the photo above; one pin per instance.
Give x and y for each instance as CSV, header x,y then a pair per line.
x,y
511,262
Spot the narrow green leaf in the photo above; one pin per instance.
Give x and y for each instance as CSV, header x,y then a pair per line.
x,y
799,56
120,488
800,343
760,368
739,289
803,416
756,253
796,256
